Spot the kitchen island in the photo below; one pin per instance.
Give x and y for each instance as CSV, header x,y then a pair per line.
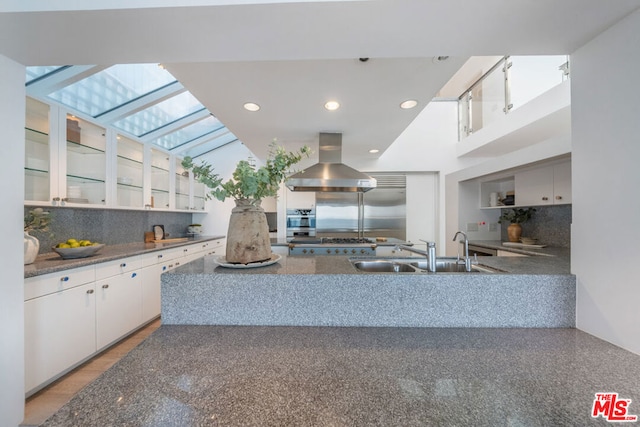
x,y
330,291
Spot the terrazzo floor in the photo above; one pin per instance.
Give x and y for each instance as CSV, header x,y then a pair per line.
x,y
328,376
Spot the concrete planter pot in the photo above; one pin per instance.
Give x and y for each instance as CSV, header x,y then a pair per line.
x,y
248,235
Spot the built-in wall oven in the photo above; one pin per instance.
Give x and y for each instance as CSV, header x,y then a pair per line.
x,y
301,222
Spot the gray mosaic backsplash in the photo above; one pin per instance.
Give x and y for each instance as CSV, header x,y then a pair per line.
x,y
551,225
107,226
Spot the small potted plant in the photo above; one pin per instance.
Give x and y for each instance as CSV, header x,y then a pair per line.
x,y
515,217
36,220
248,236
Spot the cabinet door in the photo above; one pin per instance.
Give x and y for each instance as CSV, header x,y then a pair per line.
x,y
562,183
37,152
534,187
86,163
118,307
59,333
129,181
160,179
181,186
150,282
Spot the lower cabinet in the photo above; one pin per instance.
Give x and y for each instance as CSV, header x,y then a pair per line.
x,y
60,331
71,315
118,307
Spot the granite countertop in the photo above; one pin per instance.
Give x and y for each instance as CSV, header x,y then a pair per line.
x,y
340,265
548,260
52,262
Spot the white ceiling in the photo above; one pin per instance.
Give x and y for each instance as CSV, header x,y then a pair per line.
x,y
290,56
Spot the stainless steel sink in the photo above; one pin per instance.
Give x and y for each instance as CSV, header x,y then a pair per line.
x,y
383,266
412,265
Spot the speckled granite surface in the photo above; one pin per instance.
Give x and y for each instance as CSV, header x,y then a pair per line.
x,y
329,291
51,262
300,376
548,260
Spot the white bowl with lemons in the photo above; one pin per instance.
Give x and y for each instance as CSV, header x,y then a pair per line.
x,y
73,248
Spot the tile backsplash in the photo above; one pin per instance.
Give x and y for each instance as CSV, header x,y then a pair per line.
x,y
551,225
108,226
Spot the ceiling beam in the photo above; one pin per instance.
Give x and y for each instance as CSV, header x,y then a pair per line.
x,y
175,125
40,88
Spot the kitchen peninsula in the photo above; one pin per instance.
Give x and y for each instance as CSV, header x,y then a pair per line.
x,y
330,291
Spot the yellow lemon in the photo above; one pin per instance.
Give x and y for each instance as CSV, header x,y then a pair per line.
x,y
85,243
70,241
74,244
64,245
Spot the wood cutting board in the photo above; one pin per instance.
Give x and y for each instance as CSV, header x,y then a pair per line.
x,y
177,239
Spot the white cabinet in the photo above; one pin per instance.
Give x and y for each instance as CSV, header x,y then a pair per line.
x,y
548,185
300,199
71,315
59,332
118,307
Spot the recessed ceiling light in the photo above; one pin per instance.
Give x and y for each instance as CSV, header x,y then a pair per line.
x,y
374,151
409,103
332,105
251,106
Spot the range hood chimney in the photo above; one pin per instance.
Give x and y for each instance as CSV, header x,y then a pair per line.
x,y
330,174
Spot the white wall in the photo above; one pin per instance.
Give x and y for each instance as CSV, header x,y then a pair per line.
x,y
223,160
12,119
606,181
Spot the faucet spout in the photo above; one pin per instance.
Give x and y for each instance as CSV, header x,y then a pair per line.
x,y
430,253
467,259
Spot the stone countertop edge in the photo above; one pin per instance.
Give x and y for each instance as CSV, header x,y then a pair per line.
x,y
52,262
340,265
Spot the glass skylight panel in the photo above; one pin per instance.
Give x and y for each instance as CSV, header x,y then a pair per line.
x,y
160,114
34,73
189,133
210,145
112,87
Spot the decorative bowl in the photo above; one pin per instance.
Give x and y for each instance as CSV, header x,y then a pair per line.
x,y
81,252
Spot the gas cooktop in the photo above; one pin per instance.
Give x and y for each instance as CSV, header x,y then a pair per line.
x,y
330,241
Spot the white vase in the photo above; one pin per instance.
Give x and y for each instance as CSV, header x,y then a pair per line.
x,y
31,247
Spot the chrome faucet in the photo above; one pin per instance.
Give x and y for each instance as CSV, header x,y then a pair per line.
x,y
467,259
430,253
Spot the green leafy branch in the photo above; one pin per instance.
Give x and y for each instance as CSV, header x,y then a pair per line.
x,y
248,182
517,215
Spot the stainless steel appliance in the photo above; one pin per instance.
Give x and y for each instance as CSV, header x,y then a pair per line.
x,y
332,246
330,174
382,213
301,222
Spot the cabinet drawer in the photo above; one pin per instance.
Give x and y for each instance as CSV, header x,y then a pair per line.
x,y
50,283
124,265
152,259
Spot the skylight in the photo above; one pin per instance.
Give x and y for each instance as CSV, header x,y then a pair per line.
x,y
140,100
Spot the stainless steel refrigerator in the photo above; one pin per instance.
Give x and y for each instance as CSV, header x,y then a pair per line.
x,y
384,210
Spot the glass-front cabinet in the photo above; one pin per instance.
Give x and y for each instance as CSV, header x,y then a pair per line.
x,y
86,163
182,186
37,152
130,173
70,161
160,179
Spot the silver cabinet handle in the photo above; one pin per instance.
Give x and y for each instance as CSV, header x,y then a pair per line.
x,y
56,199
106,286
545,198
90,291
123,265
558,197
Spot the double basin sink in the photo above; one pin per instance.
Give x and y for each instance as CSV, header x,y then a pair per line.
x,y
413,265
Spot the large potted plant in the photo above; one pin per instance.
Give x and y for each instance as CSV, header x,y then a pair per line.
x,y
36,220
248,236
515,217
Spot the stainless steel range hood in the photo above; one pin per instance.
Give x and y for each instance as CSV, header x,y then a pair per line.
x,y
330,174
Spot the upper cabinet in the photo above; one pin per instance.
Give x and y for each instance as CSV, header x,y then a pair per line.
x,y
70,161
130,173
537,186
37,152
549,185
